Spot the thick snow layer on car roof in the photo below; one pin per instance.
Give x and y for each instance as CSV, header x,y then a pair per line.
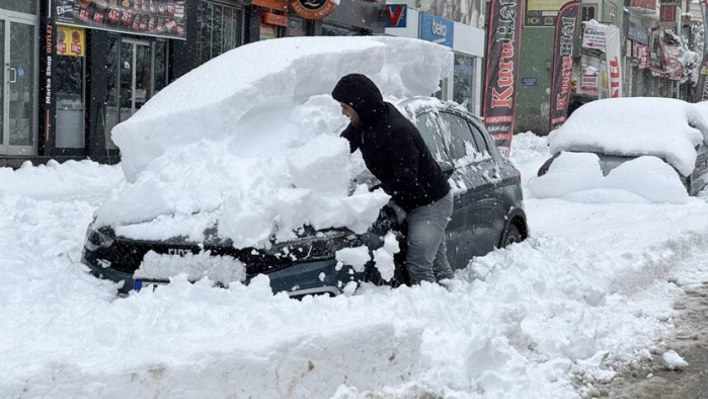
x,y
250,141
667,128
208,101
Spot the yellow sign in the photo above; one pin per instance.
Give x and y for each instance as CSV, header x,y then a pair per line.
x,y
70,41
545,5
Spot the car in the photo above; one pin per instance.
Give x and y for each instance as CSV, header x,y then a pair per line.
x,y
312,255
621,130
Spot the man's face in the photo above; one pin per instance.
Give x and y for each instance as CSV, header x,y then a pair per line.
x,y
350,113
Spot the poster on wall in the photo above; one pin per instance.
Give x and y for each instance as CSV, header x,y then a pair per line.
x,y
503,53
702,86
164,18
562,71
70,41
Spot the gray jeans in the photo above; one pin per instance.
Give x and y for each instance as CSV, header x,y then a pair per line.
x,y
426,259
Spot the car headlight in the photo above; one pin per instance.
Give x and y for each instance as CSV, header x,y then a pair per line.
x,y
321,246
96,240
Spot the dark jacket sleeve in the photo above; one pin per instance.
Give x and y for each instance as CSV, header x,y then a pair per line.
x,y
353,135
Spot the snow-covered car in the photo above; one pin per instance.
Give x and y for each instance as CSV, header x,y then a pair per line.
x,y
237,170
622,141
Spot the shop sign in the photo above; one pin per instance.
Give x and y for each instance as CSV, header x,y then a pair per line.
x,y
589,84
396,15
667,13
643,57
562,72
313,9
529,82
638,33
163,18
594,38
542,12
436,29
649,5
270,18
503,58
70,41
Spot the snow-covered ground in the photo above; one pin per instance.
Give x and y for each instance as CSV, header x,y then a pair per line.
x,y
588,293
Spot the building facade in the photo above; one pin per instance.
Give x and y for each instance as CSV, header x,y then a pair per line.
x,y
76,68
455,24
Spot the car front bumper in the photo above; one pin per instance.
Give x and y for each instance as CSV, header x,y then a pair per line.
x,y
300,279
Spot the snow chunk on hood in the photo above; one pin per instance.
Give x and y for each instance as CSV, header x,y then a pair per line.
x,y
663,127
208,101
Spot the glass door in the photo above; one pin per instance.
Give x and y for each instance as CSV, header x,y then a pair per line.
x,y
18,82
131,80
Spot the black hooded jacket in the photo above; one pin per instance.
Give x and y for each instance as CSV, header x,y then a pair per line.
x,y
391,145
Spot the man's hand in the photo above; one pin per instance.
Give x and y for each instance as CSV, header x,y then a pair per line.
x,y
400,213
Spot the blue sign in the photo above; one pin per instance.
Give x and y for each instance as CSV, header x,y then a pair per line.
x,y
396,15
436,29
529,82
638,33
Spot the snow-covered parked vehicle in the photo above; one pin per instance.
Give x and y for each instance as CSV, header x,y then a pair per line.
x,y
237,170
654,147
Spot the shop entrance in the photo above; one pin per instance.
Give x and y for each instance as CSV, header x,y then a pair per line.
x,y
18,82
131,80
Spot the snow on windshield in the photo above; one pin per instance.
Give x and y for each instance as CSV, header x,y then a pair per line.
x,y
250,141
667,128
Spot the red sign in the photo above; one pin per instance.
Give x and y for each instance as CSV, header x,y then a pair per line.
x,y
503,53
667,13
395,15
645,4
562,62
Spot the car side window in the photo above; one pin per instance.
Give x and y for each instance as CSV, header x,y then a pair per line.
x,y
462,143
482,144
428,125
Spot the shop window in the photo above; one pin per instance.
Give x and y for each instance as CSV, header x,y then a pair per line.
x,y
463,86
24,6
589,12
136,70
339,30
270,32
70,102
296,27
220,29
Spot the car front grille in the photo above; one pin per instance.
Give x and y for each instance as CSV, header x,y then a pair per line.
x,y
126,257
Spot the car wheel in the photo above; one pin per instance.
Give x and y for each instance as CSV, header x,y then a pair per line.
x,y
511,235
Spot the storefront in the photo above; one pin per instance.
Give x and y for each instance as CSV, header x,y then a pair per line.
x,y
19,39
466,41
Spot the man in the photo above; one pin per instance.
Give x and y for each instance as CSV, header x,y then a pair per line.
x,y
395,153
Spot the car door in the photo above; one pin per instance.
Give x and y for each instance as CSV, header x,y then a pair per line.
x,y
484,208
439,141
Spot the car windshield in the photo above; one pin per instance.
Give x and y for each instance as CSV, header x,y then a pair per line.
x,y
670,129
250,141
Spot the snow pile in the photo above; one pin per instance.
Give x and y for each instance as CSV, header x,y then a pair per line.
x,y
544,319
578,176
673,361
209,101
663,127
250,142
